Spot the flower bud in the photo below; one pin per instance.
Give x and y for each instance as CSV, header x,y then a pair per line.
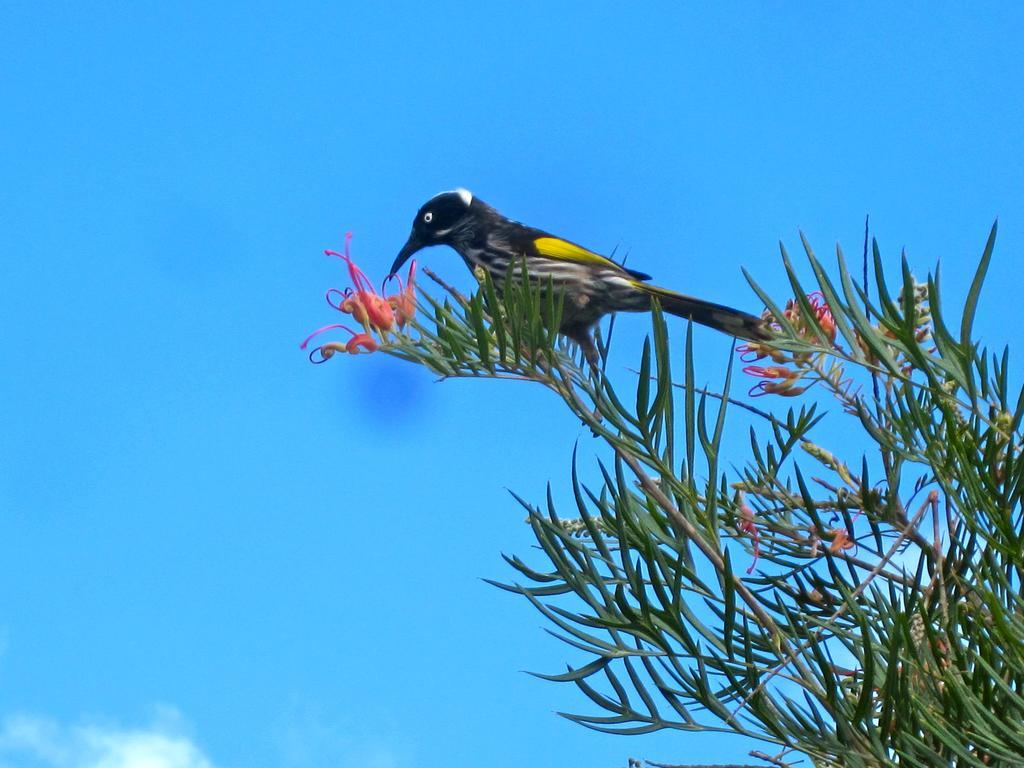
x,y
378,311
361,341
354,306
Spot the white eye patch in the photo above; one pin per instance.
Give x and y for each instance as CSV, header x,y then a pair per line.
x,y
428,217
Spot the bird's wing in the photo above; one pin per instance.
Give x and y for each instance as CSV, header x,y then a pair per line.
x,y
563,250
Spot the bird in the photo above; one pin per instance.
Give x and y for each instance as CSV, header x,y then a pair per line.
x,y
593,285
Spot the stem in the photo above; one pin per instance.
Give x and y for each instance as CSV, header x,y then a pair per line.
x,y
712,554
931,500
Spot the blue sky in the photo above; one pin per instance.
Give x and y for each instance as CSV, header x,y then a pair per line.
x,y
215,554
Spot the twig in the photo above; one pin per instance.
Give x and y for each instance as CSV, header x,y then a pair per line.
x,y
776,761
712,554
456,294
720,396
840,555
905,534
932,499
688,533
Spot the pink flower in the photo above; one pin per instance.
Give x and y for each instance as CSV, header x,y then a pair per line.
x,y
361,301
823,314
770,371
841,540
746,525
376,314
786,378
360,343
404,302
785,386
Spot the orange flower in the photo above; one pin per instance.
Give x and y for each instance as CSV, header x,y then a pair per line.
x,y
404,302
360,343
780,388
841,540
753,351
376,314
770,372
361,301
825,319
784,387
787,377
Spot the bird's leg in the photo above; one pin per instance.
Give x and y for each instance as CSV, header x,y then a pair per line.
x,y
583,337
590,352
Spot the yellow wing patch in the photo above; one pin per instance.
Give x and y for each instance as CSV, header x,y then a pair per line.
x,y
557,248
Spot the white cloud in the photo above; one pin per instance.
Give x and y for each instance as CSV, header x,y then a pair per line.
x,y
37,741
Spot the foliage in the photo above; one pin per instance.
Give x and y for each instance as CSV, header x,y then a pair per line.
x,y
882,624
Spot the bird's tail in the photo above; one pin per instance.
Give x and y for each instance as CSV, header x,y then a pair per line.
x,y
721,318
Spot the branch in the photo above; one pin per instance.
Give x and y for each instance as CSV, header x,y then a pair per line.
x,y
932,500
455,293
719,396
776,761
712,554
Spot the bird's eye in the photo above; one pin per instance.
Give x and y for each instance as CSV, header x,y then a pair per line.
x,y
428,217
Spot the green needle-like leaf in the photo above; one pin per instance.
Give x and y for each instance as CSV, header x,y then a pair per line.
x,y
971,303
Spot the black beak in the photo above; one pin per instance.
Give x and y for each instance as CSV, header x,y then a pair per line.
x,y
412,245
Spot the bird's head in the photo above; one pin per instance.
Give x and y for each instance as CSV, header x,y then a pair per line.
x,y
438,222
